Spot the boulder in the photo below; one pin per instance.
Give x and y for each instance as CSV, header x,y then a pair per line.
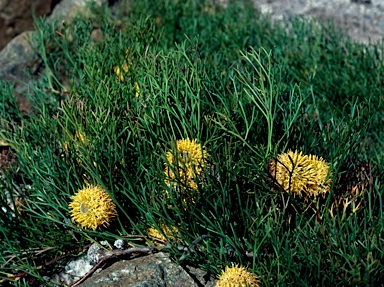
x,y
67,9
19,62
17,16
16,59
155,270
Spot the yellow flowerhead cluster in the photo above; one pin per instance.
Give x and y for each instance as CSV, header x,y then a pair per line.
x,y
92,207
170,232
237,277
302,175
124,67
80,139
187,164
137,87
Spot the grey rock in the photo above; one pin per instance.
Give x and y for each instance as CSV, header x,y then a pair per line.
x,y
13,55
16,59
119,244
93,254
67,9
362,20
77,268
73,271
155,270
17,16
19,61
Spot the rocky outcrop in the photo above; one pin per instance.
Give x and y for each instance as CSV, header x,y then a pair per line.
x,y
19,62
17,16
67,9
148,269
155,270
362,20
16,61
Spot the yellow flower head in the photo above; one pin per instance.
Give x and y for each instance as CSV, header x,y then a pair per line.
x,y
186,164
237,277
155,233
302,175
92,207
170,232
124,67
81,137
119,73
137,87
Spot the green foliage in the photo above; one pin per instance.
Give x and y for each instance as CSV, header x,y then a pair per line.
x,y
247,90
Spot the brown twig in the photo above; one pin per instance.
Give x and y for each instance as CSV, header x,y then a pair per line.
x,y
58,92
17,275
163,242
89,273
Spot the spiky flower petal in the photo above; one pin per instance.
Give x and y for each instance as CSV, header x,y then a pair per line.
x,y
185,163
92,207
301,175
237,276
